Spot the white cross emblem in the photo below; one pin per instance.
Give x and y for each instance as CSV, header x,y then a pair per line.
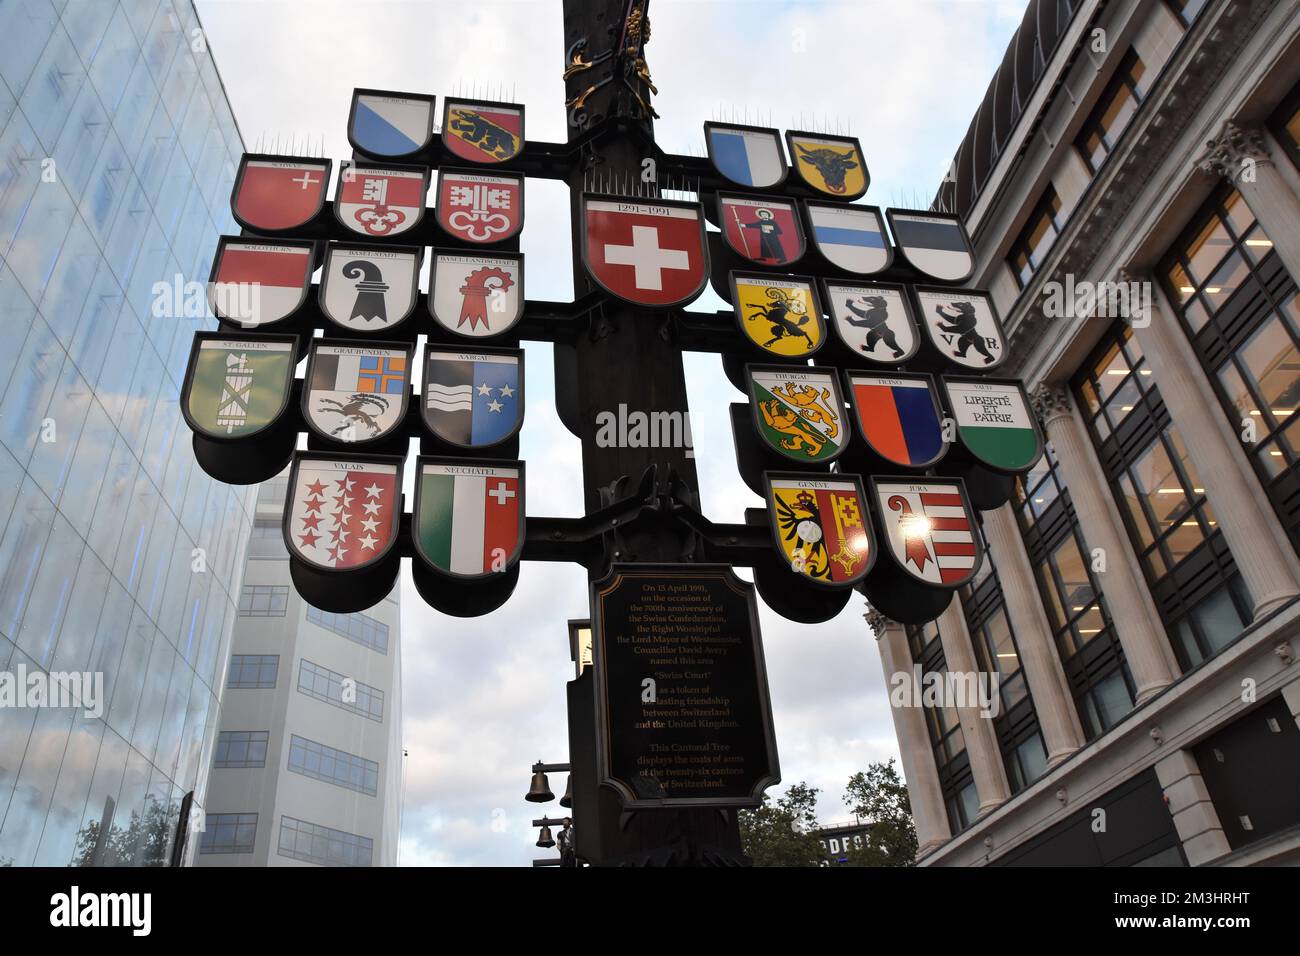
x,y
501,493
647,258
305,180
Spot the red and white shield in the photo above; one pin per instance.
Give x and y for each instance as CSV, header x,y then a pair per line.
x,y
381,200
275,193
480,207
645,252
256,282
930,530
342,511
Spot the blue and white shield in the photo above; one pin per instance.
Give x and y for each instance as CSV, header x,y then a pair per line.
x,y
390,125
473,398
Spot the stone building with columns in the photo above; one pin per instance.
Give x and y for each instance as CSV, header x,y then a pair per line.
x,y
1131,185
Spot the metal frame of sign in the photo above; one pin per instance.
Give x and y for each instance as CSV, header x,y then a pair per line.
x,y
959,293
449,101
1019,386
246,158
617,575
777,278
434,347
188,382
380,166
332,247
709,126
902,250
909,310
769,476
751,368
791,204
285,520
484,170
960,485
695,207
314,345
790,135
418,551
224,241
810,204
483,254
850,374
392,94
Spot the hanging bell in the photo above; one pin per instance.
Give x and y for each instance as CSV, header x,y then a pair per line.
x,y
544,839
566,801
540,791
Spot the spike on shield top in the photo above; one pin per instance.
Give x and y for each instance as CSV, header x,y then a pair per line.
x,y
480,207
277,193
380,201
821,526
483,132
369,288
342,511
476,296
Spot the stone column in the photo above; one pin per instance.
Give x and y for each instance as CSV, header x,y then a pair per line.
x,y
1240,155
1243,512
1195,818
1132,612
1057,717
914,745
986,764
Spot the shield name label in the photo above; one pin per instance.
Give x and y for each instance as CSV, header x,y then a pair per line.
x,y
469,516
763,229
393,125
380,201
851,237
994,422
646,253
341,513
355,393
746,155
779,314
829,164
477,296
257,283
963,326
798,411
930,530
483,132
821,526
274,193
369,288
899,417
874,320
480,207
934,243
474,399
237,387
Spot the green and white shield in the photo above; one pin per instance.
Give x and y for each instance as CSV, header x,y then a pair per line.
x,y
469,515
237,386
798,411
994,422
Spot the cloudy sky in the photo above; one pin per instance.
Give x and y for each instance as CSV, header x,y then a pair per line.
x,y
484,698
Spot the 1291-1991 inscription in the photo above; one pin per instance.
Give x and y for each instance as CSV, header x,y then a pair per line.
x,y
684,716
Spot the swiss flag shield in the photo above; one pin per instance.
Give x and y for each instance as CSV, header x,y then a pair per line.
x,y
645,252
275,193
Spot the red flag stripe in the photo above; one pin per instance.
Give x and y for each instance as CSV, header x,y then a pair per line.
x,y
936,499
501,521
944,549
288,269
949,524
948,575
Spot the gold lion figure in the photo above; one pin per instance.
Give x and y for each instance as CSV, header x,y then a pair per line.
x,y
819,413
789,423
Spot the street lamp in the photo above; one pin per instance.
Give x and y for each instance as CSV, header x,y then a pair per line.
x,y
539,791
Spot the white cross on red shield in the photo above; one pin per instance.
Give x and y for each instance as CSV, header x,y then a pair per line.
x,y
647,252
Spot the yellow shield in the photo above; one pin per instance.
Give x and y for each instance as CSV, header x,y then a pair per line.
x,y
832,166
780,315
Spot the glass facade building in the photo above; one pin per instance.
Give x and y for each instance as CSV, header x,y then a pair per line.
x,y
118,555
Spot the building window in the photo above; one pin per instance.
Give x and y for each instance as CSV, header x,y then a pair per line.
x,y
253,671
1284,124
1241,309
241,748
267,541
956,782
1117,106
1192,575
1037,237
315,760
263,600
300,840
1187,10
341,691
359,628
229,833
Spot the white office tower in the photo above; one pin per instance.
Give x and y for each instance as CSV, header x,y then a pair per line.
x,y
307,767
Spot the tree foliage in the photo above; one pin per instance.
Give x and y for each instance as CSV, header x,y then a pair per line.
x,y
779,833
